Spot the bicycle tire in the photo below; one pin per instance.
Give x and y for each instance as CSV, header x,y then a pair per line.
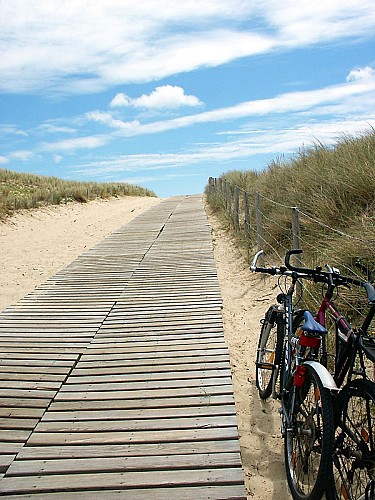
x,y
270,346
297,321
354,445
308,443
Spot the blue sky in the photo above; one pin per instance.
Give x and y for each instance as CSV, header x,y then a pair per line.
x,y
165,94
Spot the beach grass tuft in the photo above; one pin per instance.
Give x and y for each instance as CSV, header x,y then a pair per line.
x,y
23,190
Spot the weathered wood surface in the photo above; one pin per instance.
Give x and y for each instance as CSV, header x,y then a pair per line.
x,y
115,379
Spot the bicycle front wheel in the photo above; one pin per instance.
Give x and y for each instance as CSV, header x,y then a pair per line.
x,y
308,440
269,350
354,446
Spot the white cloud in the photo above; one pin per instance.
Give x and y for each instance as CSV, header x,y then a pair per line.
x,y
57,159
79,46
12,130
361,74
251,142
163,97
120,100
107,119
311,101
305,22
3,160
22,155
71,145
50,128
350,102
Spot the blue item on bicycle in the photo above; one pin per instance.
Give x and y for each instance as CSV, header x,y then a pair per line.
x,y
312,326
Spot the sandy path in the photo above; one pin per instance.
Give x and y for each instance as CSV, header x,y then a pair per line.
x,y
245,299
35,244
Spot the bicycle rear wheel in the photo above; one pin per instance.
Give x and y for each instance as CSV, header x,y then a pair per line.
x,y
269,350
354,446
308,441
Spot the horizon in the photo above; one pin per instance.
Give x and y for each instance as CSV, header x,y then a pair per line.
x,y
165,96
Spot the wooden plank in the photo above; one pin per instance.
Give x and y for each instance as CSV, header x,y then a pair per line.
x,y
123,480
31,484
222,492
10,447
119,464
41,356
127,437
145,385
36,377
27,393
5,461
128,450
18,423
143,394
143,413
21,412
186,401
14,435
142,366
18,402
156,362
48,363
124,425
16,384
200,350
158,337
138,377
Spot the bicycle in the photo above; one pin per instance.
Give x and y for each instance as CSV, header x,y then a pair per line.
x,y
354,406
304,390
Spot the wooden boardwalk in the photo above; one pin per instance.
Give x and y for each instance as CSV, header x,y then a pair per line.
x,y
115,379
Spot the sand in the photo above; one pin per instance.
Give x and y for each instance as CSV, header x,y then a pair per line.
x,y
35,244
246,297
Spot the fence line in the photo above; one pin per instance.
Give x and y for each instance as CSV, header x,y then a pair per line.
x,y
275,228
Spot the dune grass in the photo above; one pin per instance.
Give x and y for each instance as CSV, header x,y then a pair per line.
x,y
333,187
19,191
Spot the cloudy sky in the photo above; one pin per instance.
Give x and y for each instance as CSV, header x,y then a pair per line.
x,y
165,94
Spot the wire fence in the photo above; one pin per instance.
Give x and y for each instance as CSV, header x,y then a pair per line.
x,y
265,224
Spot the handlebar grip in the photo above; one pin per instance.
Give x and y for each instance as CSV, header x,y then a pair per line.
x,y
365,270
267,270
303,270
370,290
289,253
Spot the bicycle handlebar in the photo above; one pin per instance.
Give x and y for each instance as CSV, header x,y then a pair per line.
x,y
333,277
255,268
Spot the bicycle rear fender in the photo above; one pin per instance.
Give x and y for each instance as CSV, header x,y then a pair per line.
x,y
323,374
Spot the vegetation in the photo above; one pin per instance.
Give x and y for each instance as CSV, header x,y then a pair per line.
x,y
28,191
334,189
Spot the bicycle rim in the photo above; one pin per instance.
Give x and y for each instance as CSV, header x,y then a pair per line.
x,y
269,351
308,443
354,446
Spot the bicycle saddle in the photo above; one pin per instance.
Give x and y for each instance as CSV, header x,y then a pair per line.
x,y
312,326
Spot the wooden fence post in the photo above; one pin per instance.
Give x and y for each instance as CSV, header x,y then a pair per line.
x,y
258,217
247,213
296,231
229,197
236,211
